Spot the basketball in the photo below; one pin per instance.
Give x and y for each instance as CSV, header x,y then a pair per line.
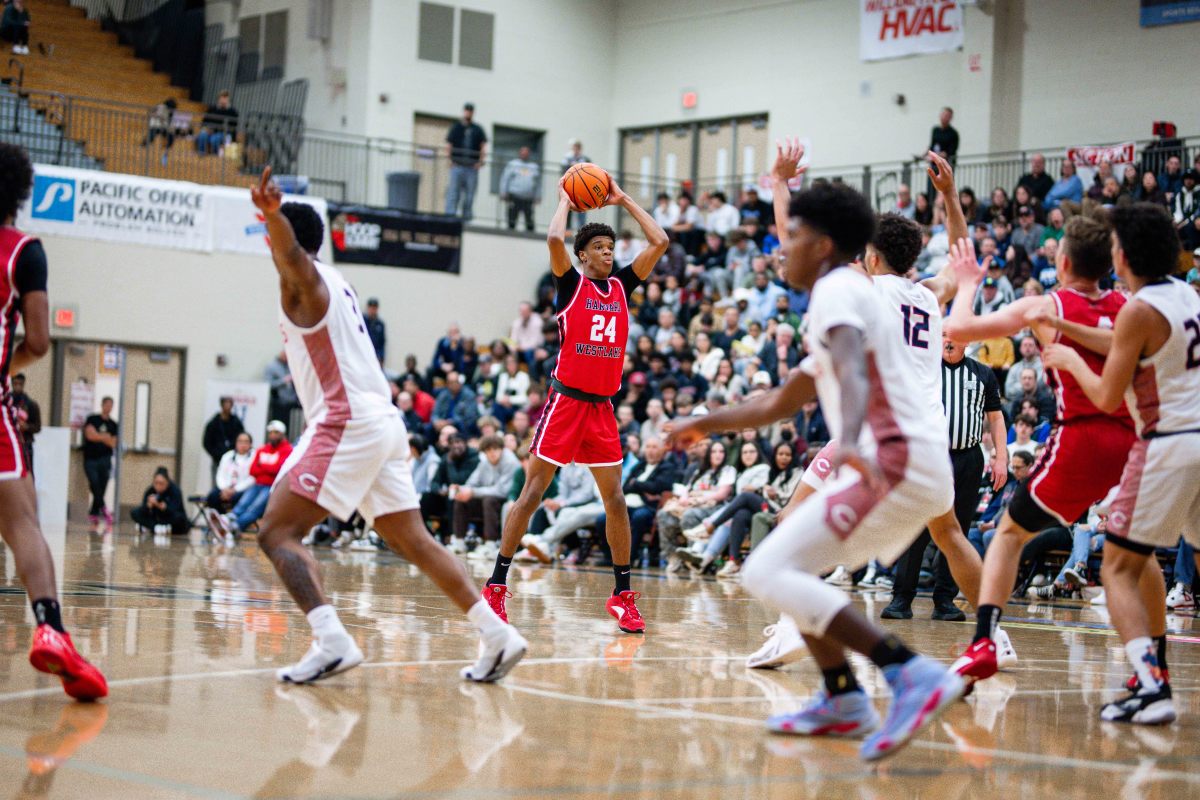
x,y
587,186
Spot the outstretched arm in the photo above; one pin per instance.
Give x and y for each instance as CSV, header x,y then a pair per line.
x,y
305,296
35,309
962,325
1135,322
945,283
787,166
773,406
560,259
646,260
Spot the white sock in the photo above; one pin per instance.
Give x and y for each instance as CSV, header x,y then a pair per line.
x,y
1143,654
485,619
325,623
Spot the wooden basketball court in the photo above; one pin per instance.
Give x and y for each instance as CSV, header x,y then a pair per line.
x,y
190,634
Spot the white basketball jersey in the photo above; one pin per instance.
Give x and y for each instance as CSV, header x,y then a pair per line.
x,y
334,368
917,320
1165,394
898,398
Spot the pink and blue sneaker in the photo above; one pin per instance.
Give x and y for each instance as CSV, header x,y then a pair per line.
x,y
850,714
921,690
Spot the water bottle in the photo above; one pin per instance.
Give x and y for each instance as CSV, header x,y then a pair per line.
x,y
472,539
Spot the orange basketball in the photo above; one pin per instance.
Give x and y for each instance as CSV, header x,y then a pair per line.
x,y
587,186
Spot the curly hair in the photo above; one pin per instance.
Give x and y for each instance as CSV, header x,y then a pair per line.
x,y
1089,246
1148,239
590,231
838,211
16,179
898,240
307,224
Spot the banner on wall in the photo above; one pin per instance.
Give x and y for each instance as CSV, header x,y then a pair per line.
x,y
896,28
238,226
87,204
363,235
251,404
1168,12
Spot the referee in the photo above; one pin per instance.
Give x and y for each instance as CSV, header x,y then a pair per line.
x,y
971,397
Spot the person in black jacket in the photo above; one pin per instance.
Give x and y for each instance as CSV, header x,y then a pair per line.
x,y
652,477
457,465
221,432
162,504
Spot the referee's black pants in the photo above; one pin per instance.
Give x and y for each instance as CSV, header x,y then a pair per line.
x,y
968,477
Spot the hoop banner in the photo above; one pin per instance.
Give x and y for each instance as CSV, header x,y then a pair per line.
x,y
896,28
390,238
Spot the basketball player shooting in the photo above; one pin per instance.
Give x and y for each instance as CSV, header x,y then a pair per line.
x,y
579,424
352,456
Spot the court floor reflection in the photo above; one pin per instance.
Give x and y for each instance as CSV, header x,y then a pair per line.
x,y
189,635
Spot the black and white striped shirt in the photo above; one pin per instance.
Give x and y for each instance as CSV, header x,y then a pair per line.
x,y
969,391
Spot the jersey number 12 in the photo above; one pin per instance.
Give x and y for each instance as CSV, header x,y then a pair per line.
x,y
916,325
600,331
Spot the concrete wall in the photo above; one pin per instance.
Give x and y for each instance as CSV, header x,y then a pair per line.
x,y
227,304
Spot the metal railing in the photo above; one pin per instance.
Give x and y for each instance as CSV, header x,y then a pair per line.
x,y
119,10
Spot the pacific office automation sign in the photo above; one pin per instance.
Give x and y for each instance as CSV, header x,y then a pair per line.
x,y
391,238
113,207
895,28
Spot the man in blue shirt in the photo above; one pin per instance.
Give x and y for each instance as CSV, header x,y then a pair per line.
x,y
1069,187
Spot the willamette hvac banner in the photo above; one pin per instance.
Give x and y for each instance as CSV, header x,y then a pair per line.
x,y
895,28
113,207
391,238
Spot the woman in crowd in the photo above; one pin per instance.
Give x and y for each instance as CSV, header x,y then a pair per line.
x,y
233,475
752,476
923,213
1131,181
970,205
708,484
998,207
162,506
1149,192
708,358
1022,197
512,390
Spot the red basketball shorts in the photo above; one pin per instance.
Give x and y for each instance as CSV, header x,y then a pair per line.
x,y
579,431
12,447
1082,461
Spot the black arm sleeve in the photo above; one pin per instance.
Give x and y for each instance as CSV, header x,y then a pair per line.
x,y
30,273
564,289
628,279
991,390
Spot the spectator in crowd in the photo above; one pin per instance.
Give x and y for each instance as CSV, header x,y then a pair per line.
x,y
100,432
526,332
283,393
782,479
162,506
161,124
764,294
757,214
1044,269
1028,233
423,401
575,155
512,390
665,213
425,464
375,328
14,26
456,405
577,505
448,354
688,228
1170,180
980,536
233,476
904,206
752,476
990,297
1055,225
466,147
707,484
1023,441
627,249
1131,180
739,259
1036,181
651,478
268,460
1184,576
1186,210
970,206
1067,191
521,187
810,424
779,356
221,432
479,500
944,139
1149,191
922,210
656,420
458,464
722,217
1031,358
998,354
1023,197
997,206
219,126
664,330
412,422
1031,389
28,413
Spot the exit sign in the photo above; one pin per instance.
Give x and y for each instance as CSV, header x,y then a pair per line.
x,y
64,318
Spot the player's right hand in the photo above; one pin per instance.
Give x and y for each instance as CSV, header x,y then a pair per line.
x,y
940,173
267,195
563,197
967,270
683,433
787,159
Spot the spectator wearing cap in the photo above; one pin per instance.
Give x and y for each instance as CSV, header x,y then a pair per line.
x,y
466,147
268,460
638,394
375,328
995,270
575,155
989,298
1186,210
521,187
526,332
221,433
778,357
1028,233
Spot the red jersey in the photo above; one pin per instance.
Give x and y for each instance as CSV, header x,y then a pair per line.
x,y
593,330
21,272
1100,312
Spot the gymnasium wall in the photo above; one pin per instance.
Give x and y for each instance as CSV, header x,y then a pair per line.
x,y
227,304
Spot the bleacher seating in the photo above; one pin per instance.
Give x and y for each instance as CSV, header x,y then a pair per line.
x,y
23,125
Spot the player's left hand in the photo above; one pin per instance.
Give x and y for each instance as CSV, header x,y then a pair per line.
x,y
563,197
1057,356
616,195
788,154
999,470
683,433
967,270
940,173
267,196
849,456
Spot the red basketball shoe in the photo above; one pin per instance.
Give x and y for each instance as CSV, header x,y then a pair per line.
x,y
495,594
624,608
978,662
53,652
